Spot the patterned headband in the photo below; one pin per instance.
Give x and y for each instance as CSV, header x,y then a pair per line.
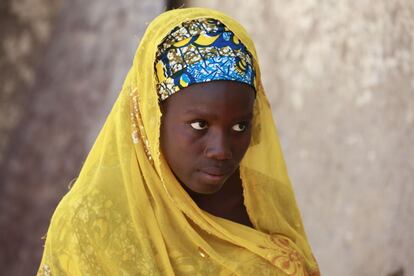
x,y
199,51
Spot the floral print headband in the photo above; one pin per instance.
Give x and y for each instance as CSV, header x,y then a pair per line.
x,y
199,51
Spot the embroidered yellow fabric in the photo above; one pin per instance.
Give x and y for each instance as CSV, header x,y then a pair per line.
x,y
127,214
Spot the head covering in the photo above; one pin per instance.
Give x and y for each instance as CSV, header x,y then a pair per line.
x,y
128,215
198,51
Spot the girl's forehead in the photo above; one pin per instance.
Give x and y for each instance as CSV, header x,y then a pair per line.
x,y
213,98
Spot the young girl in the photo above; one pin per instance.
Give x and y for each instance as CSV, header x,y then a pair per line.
x,y
187,175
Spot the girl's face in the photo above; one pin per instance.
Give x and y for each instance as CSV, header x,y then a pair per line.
x,y
205,132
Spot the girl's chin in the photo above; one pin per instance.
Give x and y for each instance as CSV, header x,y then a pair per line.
x,y
206,188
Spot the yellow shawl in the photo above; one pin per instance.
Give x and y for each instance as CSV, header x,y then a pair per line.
x,y
128,215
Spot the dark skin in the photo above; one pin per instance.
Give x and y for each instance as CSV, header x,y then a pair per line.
x,y
205,132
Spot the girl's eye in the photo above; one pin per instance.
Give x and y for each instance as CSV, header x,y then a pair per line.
x,y
239,127
199,125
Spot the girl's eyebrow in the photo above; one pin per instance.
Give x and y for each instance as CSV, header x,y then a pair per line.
x,y
198,111
208,112
248,115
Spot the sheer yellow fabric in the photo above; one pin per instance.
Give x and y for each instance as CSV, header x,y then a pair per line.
x,y
128,215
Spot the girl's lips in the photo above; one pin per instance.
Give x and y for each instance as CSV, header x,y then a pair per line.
x,y
213,177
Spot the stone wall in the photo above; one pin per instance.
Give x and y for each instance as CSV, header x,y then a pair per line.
x,y
340,77
25,28
63,66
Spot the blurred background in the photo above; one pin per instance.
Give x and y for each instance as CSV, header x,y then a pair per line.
x,y
340,77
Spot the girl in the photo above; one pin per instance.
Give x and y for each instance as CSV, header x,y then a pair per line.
x,y
187,175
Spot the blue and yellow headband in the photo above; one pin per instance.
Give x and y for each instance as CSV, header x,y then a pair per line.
x,y
199,51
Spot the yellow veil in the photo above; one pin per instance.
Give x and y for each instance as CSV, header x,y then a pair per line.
x,y
128,215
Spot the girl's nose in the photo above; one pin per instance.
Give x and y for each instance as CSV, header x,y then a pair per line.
x,y
218,146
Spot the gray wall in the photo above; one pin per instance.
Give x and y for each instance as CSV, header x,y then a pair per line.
x,y
63,65
340,77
